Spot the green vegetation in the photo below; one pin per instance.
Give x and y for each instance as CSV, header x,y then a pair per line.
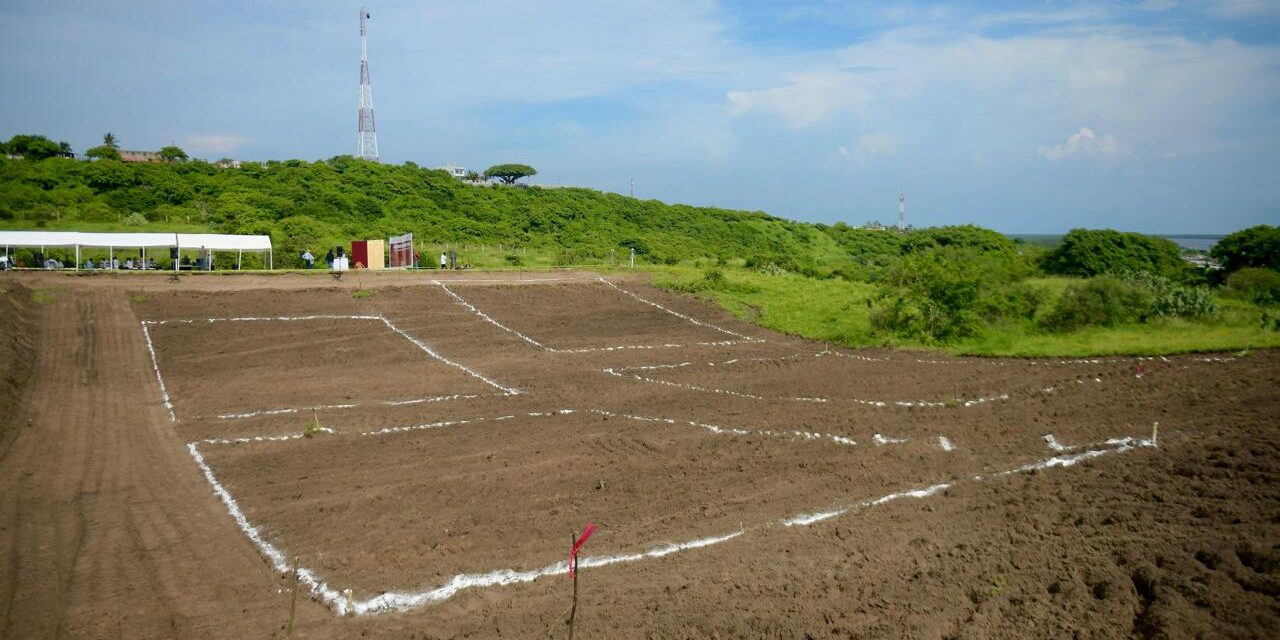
x,y
1259,286
34,147
1085,252
963,288
509,173
173,153
44,296
361,294
1253,247
316,205
312,427
139,298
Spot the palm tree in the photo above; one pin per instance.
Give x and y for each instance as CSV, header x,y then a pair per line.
x,y
109,140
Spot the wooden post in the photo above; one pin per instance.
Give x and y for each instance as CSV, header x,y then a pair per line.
x,y
573,611
293,600
1155,431
351,608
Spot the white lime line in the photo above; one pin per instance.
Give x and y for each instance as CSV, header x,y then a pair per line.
x,y
629,347
400,601
511,391
681,315
155,366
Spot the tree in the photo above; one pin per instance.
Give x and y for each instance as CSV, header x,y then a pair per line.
x,y
109,140
32,147
64,150
1094,252
509,173
1253,247
103,152
173,153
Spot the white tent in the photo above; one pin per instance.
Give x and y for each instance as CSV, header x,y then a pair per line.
x,y
143,241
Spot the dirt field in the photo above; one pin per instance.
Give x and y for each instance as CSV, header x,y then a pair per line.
x,y
158,482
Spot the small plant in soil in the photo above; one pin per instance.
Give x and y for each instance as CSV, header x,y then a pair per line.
x,y
361,294
998,586
313,426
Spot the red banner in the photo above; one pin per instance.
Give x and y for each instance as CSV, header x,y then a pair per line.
x,y
577,545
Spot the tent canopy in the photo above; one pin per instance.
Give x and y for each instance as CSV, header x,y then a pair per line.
x,y
210,241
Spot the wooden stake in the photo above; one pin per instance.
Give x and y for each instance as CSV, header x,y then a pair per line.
x,y
1155,431
351,608
293,600
573,611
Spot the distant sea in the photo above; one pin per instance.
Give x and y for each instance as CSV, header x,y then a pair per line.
x,y
1202,243
1199,242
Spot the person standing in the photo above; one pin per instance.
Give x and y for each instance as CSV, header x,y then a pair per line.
x,y
309,259
328,259
444,260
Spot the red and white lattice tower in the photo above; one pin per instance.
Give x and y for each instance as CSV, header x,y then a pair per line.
x,y
368,131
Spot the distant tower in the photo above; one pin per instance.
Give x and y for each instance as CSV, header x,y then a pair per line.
x,y
902,212
368,131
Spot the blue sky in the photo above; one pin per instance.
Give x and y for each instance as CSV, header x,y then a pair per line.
x,y
1160,116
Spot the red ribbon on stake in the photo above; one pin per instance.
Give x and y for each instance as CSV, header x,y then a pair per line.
x,y
577,545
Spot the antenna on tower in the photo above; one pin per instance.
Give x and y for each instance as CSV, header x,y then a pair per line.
x,y
367,130
902,212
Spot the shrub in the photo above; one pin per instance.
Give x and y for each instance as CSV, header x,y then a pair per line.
x,y
945,293
1253,247
1260,286
1172,299
1087,253
1102,301
715,280
135,219
514,259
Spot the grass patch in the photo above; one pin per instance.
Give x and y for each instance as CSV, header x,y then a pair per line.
x,y
360,294
828,310
44,296
139,298
837,311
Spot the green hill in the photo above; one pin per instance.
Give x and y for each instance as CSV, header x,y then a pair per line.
x,y
321,204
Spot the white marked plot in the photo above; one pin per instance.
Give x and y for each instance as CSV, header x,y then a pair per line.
x,y
236,368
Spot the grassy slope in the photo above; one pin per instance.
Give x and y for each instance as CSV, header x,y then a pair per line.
x,y
836,311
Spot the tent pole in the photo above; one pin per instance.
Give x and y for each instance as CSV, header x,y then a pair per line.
x,y
144,258
271,259
239,257
111,255
77,257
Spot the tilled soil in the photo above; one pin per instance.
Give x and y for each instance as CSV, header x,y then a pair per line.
x,y
112,530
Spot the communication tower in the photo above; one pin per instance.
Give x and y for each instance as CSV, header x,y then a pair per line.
x,y
367,130
902,212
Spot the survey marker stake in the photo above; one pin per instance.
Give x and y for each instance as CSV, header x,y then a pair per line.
x,y
575,547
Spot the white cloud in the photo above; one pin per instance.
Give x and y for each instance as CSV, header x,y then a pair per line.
x,y
996,96
806,100
871,144
1083,142
220,144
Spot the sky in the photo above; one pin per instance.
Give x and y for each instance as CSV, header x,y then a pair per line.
x,y
1158,116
